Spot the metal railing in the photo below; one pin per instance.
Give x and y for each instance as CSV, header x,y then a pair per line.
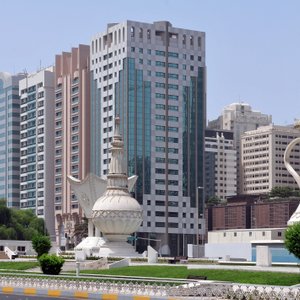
x,y
201,290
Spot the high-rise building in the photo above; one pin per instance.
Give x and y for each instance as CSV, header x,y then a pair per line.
x,y
154,77
10,139
262,158
37,145
220,164
72,136
239,117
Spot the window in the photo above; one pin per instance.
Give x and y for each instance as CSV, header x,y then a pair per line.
x,y
160,53
173,172
173,76
160,64
173,107
160,85
173,129
132,31
160,96
173,86
160,128
172,65
159,192
160,74
173,54
160,106
160,149
159,171
160,117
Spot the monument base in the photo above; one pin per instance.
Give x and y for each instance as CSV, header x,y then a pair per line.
x,y
100,247
118,249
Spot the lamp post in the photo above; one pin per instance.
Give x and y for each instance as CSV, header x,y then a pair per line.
x,y
197,217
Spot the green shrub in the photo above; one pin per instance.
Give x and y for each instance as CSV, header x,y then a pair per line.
x,y
51,264
41,244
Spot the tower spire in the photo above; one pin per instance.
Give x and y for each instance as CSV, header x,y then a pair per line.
x,y
117,177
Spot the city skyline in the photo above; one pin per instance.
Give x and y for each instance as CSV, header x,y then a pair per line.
x,y
251,46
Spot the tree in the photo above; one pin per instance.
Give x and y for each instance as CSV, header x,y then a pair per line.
x,y
281,192
292,239
214,200
41,244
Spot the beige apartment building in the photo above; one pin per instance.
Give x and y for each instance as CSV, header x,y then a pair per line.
x,y
72,127
262,152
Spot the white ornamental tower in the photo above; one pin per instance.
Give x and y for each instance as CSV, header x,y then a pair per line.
x,y
116,214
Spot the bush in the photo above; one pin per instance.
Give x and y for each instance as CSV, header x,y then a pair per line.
x,y
51,264
41,244
292,239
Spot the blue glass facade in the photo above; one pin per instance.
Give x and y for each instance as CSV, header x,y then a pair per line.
x,y
193,137
10,139
133,105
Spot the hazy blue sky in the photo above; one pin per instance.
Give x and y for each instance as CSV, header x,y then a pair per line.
x,y
252,46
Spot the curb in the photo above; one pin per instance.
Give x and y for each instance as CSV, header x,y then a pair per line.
x,y
77,294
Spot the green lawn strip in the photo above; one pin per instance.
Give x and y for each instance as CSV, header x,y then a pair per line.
x,y
18,265
237,276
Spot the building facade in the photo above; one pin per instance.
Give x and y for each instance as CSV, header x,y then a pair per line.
x,y
250,212
154,77
37,145
10,139
220,164
72,136
239,118
262,159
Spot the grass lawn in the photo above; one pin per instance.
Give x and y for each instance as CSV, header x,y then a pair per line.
x,y
18,265
238,276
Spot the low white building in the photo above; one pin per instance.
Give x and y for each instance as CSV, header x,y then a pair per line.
x,y
240,244
21,247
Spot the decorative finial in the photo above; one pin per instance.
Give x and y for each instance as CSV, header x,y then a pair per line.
x,y
117,126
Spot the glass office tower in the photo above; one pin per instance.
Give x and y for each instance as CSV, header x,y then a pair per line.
x,y
154,77
10,139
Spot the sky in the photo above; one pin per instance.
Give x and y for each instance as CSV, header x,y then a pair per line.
x,y
252,46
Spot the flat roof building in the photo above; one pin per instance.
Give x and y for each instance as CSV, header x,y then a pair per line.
x,y
10,139
262,152
239,118
220,164
37,145
153,76
72,137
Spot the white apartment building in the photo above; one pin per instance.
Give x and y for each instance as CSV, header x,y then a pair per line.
x,y
262,161
220,164
239,118
154,77
37,145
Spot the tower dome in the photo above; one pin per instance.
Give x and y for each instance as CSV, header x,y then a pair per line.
x,y
116,214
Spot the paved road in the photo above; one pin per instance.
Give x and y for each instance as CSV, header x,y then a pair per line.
x,y
25,297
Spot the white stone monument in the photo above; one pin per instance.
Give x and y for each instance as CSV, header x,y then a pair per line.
x,y
109,207
296,215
